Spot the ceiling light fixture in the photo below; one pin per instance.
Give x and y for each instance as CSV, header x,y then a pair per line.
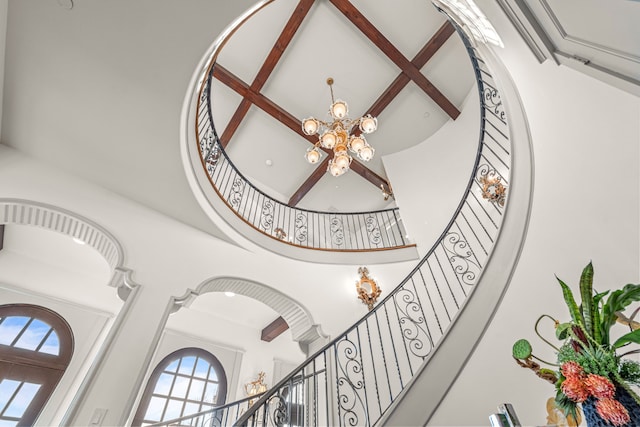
x,y
340,136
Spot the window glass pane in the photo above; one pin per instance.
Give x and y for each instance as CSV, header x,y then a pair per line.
x,y
180,387
195,392
11,327
6,423
211,395
186,367
51,345
213,375
22,400
33,336
174,409
7,388
190,408
164,384
154,410
173,366
202,368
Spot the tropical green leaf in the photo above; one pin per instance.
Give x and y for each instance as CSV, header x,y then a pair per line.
x,y
586,294
617,301
596,316
562,331
574,310
633,336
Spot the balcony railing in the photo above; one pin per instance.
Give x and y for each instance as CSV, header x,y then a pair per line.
x,y
356,378
344,231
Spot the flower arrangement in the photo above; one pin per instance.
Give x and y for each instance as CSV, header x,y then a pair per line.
x,y
592,370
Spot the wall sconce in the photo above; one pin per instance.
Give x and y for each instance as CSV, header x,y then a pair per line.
x,y
280,233
255,387
386,193
368,290
492,189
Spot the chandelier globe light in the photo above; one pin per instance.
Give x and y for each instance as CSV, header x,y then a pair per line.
x,y
340,135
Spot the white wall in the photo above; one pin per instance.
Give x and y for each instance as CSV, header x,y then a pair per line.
x,y
586,138
430,178
4,4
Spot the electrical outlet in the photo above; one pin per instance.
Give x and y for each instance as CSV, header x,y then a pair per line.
x,y
98,417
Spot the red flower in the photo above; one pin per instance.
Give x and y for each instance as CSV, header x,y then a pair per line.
x,y
599,386
575,389
612,411
571,369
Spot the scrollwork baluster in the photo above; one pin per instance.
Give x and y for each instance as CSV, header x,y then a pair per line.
x,y
460,256
413,323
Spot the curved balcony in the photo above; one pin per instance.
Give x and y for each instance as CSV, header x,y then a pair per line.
x,y
344,231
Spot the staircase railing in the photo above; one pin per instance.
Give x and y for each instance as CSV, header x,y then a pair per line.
x,y
356,378
222,415
344,231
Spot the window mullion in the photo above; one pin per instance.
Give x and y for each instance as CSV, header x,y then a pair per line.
x,y
24,328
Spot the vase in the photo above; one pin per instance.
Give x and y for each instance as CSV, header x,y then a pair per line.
x,y
594,420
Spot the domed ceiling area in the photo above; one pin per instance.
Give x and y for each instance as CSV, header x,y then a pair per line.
x,y
401,62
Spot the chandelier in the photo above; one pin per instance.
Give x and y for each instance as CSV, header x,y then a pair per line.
x,y
339,136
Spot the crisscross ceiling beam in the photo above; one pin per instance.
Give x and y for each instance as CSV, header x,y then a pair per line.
x,y
426,53
281,44
284,117
378,39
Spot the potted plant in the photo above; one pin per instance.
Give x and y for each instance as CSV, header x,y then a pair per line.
x,y
591,368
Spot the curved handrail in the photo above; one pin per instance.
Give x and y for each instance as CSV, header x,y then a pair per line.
x,y
311,229
356,378
219,416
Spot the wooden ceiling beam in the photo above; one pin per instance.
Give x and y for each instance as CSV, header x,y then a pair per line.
x,y
425,54
312,180
274,329
281,44
284,117
378,39
260,101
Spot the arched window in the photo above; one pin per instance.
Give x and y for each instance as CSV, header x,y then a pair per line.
x,y
36,345
185,382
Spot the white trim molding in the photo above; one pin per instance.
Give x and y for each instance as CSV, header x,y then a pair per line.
x,y
300,321
53,218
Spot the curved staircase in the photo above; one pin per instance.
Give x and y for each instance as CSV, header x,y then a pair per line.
x,y
395,364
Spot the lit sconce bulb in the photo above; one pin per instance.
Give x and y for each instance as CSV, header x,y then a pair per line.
x,y
339,109
310,126
366,153
313,155
334,169
368,124
342,161
328,139
357,143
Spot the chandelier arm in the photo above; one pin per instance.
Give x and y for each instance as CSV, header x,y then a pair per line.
x,y
351,123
